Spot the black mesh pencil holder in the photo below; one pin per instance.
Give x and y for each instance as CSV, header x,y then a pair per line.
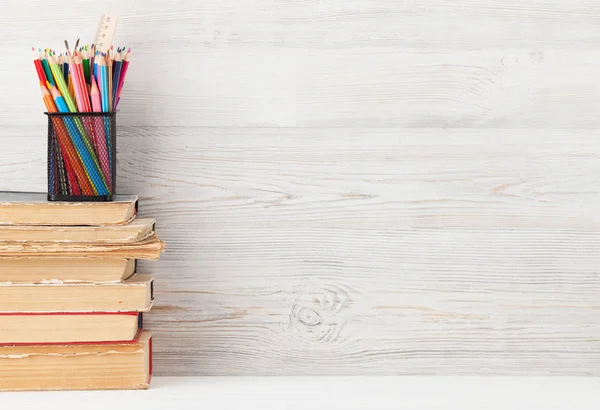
x,y
82,152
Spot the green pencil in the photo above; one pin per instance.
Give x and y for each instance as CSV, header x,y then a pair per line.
x,y
86,65
48,72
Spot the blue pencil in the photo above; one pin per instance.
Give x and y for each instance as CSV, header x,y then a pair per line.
x,y
104,83
96,65
66,71
115,82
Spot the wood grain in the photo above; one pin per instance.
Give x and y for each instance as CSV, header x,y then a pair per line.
x,y
351,187
358,87
385,251
371,178
379,251
485,63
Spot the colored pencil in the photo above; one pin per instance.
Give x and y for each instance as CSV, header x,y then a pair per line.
x,y
116,76
61,105
70,82
79,139
47,70
100,139
62,87
104,93
60,167
66,70
124,67
38,67
62,164
74,158
75,80
109,70
81,80
103,70
95,95
92,54
69,185
47,97
79,181
86,65
60,61
96,66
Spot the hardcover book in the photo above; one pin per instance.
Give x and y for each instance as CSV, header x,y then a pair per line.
x,y
135,231
133,295
149,248
77,367
69,327
23,208
52,269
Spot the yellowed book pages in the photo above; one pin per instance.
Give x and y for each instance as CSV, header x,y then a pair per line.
x,y
77,367
20,208
137,230
133,295
33,269
68,327
149,248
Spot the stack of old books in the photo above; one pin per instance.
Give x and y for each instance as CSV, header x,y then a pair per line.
x,y
71,301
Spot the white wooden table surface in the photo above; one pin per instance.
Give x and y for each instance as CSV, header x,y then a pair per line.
x,y
419,393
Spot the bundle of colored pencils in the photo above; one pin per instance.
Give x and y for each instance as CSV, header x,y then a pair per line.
x,y
86,79
82,84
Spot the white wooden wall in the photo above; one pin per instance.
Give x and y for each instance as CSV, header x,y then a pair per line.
x,y
349,186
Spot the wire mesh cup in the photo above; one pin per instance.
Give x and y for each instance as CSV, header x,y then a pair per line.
x,y
82,151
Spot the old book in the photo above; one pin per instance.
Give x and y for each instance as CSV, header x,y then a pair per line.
x,y
149,248
135,231
133,295
35,269
69,328
21,208
77,367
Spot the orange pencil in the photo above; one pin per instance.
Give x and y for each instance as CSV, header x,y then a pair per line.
x,y
50,106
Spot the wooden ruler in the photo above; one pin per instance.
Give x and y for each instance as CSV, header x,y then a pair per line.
x,y
106,32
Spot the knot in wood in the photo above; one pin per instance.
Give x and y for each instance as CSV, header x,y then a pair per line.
x,y
308,317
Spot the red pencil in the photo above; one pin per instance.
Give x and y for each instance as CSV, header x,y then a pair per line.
x,y
38,67
124,68
82,84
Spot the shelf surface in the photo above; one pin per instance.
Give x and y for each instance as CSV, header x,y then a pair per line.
x,y
418,393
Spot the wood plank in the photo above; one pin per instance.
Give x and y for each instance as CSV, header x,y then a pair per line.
x,y
354,245
363,251
351,87
424,24
372,178
293,278
360,301
229,88
385,63
480,89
